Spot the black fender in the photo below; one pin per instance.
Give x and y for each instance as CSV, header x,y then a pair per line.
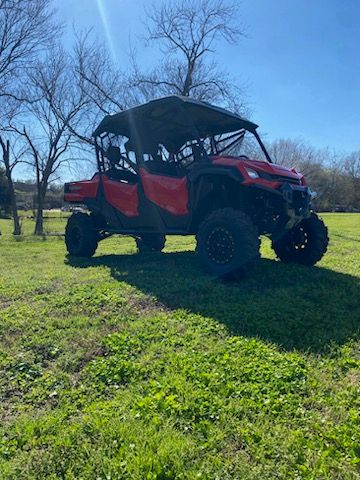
x,y
203,170
201,175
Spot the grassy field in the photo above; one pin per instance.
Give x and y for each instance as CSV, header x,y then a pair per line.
x,y
141,367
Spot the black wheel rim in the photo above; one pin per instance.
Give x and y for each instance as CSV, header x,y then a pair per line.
x,y
220,246
299,238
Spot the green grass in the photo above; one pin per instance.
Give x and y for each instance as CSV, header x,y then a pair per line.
x,y
131,366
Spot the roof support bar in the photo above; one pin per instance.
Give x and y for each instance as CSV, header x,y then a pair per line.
x,y
262,146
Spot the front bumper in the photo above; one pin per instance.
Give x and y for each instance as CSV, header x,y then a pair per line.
x,y
298,202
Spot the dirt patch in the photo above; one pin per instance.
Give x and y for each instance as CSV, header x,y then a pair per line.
x,y
4,305
99,351
146,305
354,377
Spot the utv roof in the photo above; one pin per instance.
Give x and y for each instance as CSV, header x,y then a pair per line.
x,y
172,121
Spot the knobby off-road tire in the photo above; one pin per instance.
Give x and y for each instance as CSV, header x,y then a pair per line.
x,y
228,244
150,242
306,243
81,237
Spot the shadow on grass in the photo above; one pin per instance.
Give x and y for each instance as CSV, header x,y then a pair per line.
x,y
293,306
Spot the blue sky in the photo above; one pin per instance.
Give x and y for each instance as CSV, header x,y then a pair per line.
x,y
300,61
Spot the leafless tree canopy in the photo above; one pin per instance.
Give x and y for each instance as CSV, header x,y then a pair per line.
x,y
187,32
193,26
99,81
25,27
352,165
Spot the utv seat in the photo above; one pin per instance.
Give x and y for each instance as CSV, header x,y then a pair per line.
x,y
164,168
119,174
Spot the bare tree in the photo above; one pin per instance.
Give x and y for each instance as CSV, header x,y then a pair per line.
x,y
55,102
352,164
295,153
334,188
10,154
9,165
25,27
187,32
352,170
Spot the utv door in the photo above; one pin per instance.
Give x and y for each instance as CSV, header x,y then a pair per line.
x,y
169,194
122,195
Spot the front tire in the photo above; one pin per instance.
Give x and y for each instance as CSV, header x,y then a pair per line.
x,y
150,242
306,243
228,244
81,237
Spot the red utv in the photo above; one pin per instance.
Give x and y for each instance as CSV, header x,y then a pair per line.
x,y
177,166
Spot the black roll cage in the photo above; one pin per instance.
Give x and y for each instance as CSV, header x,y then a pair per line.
x,y
215,146
100,154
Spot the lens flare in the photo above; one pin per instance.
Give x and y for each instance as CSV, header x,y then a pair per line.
x,y
104,20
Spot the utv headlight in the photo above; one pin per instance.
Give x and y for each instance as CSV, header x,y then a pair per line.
x,y
252,173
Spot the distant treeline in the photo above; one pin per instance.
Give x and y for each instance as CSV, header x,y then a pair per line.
x,y
334,176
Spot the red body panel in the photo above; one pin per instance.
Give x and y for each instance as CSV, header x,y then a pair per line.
x,y
259,166
78,191
123,196
169,193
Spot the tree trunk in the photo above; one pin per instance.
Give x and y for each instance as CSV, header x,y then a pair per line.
x,y
39,220
12,194
14,210
188,80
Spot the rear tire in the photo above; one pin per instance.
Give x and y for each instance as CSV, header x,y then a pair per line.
x,y
305,244
228,244
150,242
81,237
